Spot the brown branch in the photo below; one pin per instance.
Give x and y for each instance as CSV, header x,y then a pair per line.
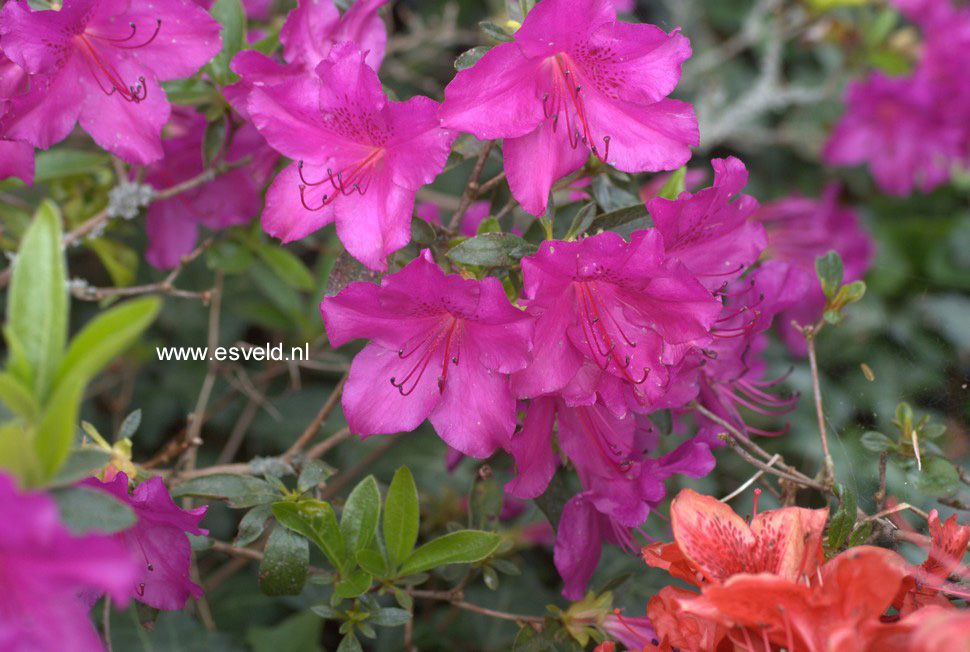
x,y
449,597
471,190
343,477
320,449
810,332
803,481
314,425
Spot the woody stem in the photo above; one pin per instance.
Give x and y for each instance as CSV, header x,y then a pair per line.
x,y
810,333
473,187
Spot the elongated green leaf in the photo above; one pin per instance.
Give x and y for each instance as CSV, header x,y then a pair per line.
x,y
17,397
62,162
315,520
389,617
232,17
462,547
238,490
372,562
84,509
582,220
55,433
491,250
252,525
37,305
829,270
17,454
401,517
106,336
287,266
675,184
843,520
358,582
617,218
469,58
299,633
358,521
285,563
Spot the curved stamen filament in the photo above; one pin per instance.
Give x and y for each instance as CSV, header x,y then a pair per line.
x,y
568,98
344,182
428,346
96,61
597,334
134,29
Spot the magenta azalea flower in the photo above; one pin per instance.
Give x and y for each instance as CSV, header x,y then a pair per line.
x,y
576,81
100,63
157,541
229,199
16,157
709,231
361,157
799,230
620,306
898,127
441,348
43,570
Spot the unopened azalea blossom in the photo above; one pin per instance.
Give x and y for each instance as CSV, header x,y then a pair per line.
x,y
44,570
360,158
620,306
441,347
100,62
575,81
157,541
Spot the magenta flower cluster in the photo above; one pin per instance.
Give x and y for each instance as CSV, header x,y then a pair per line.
x,y
912,130
607,330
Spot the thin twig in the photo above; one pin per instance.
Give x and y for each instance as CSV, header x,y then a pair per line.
x,y
106,624
750,481
810,333
345,476
472,188
448,596
881,493
804,481
314,425
256,555
320,449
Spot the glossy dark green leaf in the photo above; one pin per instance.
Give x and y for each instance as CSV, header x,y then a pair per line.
x,y
238,490
860,534
287,266
554,498
494,31
617,218
372,562
285,563
313,473
491,250
843,519
360,515
61,162
315,520
232,17
253,524
81,463
582,221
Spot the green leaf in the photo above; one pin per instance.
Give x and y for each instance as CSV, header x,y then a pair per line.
x,y
860,534
582,221
554,498
17,455
130,425
358,582
349,643
299,633
84,509
877,442
358,520
488,225
213,140
829,270
61,162
938,477
617,218
462,547
469,58
37,305
675,184
491,250
313,473
55,433
315,520
401,517
189,92
238,490
422,232
252,525
105,337
120,260
389,617
18,398
81,463
372,562
228,256
287,266
494,31
232,17
285,563
529,640
843,519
